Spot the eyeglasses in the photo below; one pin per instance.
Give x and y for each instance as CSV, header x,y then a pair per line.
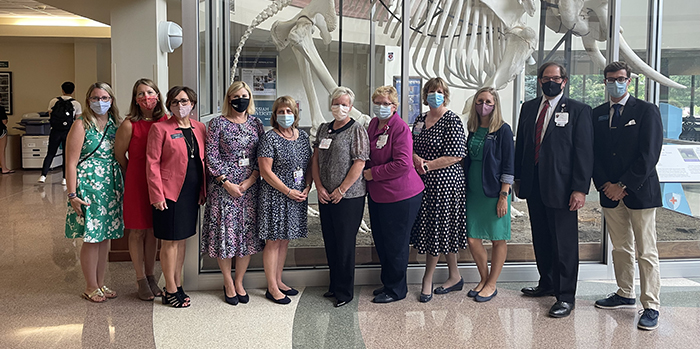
x,y
618,79
384,104
103,99
484,102
183,102
556,79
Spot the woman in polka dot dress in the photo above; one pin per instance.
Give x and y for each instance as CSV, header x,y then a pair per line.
x,y
438,147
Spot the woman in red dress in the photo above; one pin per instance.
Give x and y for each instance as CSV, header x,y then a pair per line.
x,y
146,108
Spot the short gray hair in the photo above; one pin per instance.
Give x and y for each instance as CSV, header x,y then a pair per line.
x,y
343,91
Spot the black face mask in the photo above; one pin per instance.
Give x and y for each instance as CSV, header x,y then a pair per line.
x,y
240,104
551,88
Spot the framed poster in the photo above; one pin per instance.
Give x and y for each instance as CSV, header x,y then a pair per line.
x,y
260,73
6,91
415,85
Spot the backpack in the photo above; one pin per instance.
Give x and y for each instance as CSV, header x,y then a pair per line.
x,y
62,114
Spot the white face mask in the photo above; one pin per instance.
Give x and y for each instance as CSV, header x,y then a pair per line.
x,y
340,112
182,111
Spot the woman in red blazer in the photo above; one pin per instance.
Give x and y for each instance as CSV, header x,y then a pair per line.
x,y
175,174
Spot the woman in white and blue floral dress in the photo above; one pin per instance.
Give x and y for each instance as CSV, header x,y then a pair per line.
x,y
95,187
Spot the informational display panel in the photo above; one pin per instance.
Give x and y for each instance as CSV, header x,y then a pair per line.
x,y
679,163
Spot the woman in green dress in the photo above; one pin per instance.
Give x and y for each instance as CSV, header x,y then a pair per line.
x,y
489,166
95,187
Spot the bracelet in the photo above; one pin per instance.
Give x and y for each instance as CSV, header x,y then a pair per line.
x,y
72,196
289,192
222,181
341,192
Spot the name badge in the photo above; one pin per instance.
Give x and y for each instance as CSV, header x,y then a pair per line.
x,y
325,143
381,142
418,127
603,117
561,119
243,162
298,176
177,135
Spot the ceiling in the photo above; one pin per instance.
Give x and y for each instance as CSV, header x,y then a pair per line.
x,y
30,8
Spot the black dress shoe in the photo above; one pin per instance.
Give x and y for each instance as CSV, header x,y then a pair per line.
x,y
384,298
329,294
243,299
230,300
537,291
340,303
378,291
290,292
561,309
284,300
456,287
425,298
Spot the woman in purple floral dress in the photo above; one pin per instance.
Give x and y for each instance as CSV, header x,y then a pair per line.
x,y
229,229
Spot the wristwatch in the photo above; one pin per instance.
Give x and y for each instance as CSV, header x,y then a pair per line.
x,y
619,184
504,194
425,167
222,181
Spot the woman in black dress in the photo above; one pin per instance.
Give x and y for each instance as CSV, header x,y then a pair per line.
x,y
175,174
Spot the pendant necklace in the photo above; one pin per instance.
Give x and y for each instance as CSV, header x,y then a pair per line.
x,y
190,147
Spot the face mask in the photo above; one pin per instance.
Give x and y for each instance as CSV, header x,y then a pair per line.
x,y
383,112
182,111
551,88
147,102
240,104
435,99
285,120
484,109
340,112
100,107
616,89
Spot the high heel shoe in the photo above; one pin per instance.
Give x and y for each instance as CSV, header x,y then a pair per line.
x,y
174,299
244,298
456,287
181,291
230,300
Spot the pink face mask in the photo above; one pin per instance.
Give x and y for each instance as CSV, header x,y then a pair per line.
x,y
182,111
147,102
484,109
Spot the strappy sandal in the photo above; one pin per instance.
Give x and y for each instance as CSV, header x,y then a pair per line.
x,y
95,296
108,293
184,295
144,292
174,299
153,284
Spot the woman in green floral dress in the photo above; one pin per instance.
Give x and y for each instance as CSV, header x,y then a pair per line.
x,y
95,187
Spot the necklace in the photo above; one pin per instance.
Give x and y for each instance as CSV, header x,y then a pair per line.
x,y
190,147
287,137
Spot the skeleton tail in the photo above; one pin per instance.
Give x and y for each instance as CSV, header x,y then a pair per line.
x,y
268,12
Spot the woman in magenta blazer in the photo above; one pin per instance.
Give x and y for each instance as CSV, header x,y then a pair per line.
x,y
395,192
175,174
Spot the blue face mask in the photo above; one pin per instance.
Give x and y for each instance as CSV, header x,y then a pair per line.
x,y
383,112
285,120
435,99
100,107
616,89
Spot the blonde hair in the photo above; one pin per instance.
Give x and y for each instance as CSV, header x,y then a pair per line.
x,y
237,85
135,113
89,116
496,117
281,102
388,92
434,84
341,91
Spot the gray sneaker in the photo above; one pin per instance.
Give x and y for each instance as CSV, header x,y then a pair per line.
x,y
615,301
649,319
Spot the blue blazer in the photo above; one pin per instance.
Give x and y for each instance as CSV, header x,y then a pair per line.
x,y
630,153
498,161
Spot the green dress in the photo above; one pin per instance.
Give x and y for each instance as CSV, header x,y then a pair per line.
x,y
482,220
100,184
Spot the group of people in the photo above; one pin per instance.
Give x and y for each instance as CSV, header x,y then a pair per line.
x,y
432,187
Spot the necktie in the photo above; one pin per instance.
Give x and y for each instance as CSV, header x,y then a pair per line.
x,y
616,116
538,131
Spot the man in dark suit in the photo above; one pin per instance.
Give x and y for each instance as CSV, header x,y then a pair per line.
x,y
553,166
628,137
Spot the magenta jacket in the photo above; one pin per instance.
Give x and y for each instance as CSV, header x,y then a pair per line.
x,y
393,176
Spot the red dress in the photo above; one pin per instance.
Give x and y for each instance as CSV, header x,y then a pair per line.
x,y
137,206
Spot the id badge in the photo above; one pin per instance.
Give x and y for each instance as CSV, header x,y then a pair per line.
x,y
325,143
243,162
561,119
298,176
381,142
418,127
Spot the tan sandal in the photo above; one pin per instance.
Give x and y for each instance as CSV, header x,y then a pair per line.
x,y
144,292
109,294
95,296
153,284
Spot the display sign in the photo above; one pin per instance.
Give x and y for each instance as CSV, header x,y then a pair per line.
x,y
4,64
260,73
263,111
414,100
679,163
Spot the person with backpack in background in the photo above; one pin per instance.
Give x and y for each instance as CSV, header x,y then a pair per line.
x,y
62,111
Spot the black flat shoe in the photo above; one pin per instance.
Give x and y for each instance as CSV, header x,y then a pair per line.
x,y
537,291
456,287
561,309
339,304
290,292
384,298
230,300
243,299
425,298
472,293
329,294
378,291
284,300
485,299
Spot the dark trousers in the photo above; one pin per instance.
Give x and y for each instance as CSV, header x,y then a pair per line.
x,y
555,240
56,138
391,230
339,224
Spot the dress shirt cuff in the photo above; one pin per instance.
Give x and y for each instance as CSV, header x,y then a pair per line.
x,y
507,178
